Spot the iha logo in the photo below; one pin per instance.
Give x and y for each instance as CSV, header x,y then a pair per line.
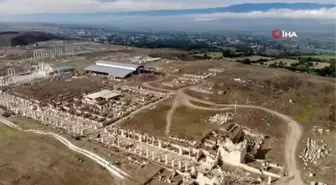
x,y
277,34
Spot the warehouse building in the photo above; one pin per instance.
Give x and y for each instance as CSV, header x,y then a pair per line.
x,y
114,69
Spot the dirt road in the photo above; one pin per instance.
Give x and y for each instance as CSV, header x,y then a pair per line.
x,y
292,139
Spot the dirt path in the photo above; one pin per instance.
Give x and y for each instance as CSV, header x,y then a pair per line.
x,y
148,85
169,115
114,171
292,139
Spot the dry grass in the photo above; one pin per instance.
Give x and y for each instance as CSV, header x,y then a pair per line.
x,y
191,123
139,175
320,65
31,159
186,122
152,121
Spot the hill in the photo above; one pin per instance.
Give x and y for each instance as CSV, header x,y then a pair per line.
x,y
12,38
237,8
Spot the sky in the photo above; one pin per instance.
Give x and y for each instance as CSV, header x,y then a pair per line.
x,y
14,7
87,12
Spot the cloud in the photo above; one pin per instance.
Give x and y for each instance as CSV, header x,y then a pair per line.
x,y
320,14
15,7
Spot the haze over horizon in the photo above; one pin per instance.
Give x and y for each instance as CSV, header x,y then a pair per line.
x,y
176,14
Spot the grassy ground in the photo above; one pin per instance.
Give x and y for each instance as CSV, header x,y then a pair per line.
x,y
186,122
139,175
152,121
191,123
32,159
25,123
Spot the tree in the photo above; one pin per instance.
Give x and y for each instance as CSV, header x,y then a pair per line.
x,y
205,54
310,64
227,53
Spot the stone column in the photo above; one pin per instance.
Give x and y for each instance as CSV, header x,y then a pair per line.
x,y
153,140
166,162
180,165
160,144
173,163
269,180
180,151
140,138
118,143
153,155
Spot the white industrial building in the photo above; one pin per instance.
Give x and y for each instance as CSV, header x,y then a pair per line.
x,y
114,69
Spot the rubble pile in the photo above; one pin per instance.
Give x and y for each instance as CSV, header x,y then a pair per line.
x,y
254,144
314,150
320,130
202,90
220,119
183,140
136,162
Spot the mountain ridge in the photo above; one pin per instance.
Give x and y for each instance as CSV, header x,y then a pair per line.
x,y
237,8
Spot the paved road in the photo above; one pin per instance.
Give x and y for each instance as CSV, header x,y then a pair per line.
x,y
292,139
114,171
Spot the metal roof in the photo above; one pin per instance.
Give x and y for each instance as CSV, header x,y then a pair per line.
x,y
112,71
122,65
